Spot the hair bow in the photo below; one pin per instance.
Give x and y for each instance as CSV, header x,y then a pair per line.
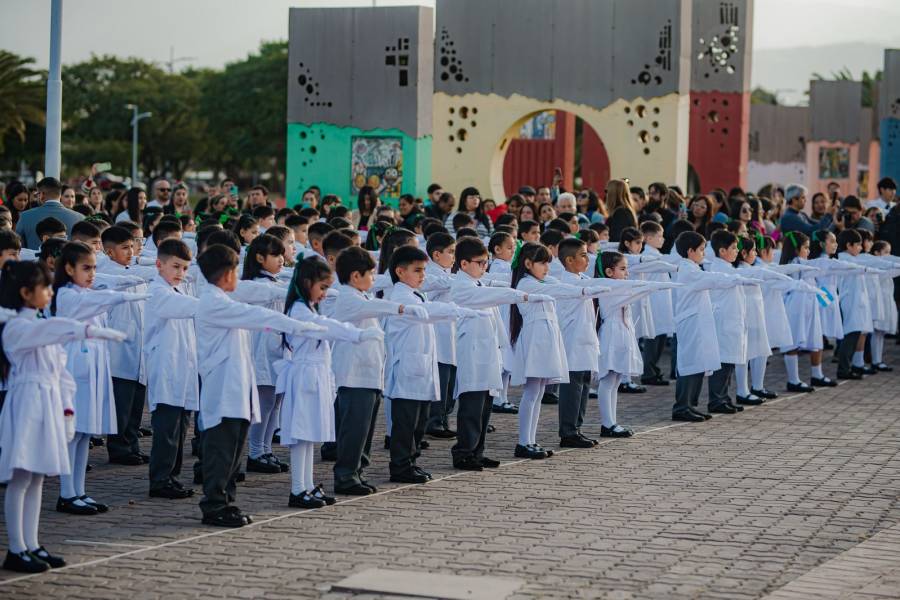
x,y
790,236
518,251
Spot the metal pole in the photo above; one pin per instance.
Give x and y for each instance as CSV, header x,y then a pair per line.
x,y
53,153
134,147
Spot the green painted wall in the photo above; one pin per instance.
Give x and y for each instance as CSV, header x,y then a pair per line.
x,y
320,154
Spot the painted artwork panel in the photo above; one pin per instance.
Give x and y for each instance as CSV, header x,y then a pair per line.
x,y
377,162
834,163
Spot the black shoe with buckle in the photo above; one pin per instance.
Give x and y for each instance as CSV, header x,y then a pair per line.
x,y
823,382
529,452
884,368
305,500
506,408
55,562
24,562
101,508
800,387
616,431
764,393
751,400
540,448
75,506
262,465
319,494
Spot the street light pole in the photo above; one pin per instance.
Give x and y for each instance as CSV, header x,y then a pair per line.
x,y
53,140
135,119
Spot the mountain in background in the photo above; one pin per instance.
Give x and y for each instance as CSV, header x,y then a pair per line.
x,y
787,71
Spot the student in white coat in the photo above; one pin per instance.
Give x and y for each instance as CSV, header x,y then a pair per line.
x,y
88,361
228,398
503,247
480,341
660,306
411,371
170,355
307,382
539,355
887,323
126,363
698,346
359,368
631,245
37,419
855,308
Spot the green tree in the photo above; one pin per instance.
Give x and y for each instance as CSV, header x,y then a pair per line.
x,y
760,95
22,93
246,106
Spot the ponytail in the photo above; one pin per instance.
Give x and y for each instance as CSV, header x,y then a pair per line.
x,y
534,253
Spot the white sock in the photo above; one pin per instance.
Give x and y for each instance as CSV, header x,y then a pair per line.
x,y
858,359
740,380
536,413
758,372
273,425
14,509
388,424
32,513
531,395
503,398
71,485
792,366
877,346
308,462
607,396
256,441
817,371
298,456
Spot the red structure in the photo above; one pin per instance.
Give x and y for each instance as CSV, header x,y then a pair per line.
x,y
718,147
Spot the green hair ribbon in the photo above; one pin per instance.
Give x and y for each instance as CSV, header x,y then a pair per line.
x,y
598,266
518,251
760,241
790,236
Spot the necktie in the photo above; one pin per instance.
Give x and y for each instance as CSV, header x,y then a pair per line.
x,y
419,295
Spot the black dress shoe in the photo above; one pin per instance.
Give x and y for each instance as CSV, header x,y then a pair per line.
x,y
261,465
549,399
55,562
240,478
283,466
319,494
882,367
408,477
226,518
631,388
848,375
574,441
101,508
387,442
97,441
736,407
799,387
422,471
368,485
687,417
355,489
24,562
491,428
697,411
489,463
592,395
723,409
145,458
146,431
591,440
751,400
506,408
305,500
441,434
132,460
540,448
864,370
616,431
764,393
171,492
469,463
328,453
67,505
529,452
658,380
823,382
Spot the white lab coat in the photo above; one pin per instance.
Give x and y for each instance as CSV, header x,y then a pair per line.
x,y
127,361
619,350
306,380
641,313
661,301
758,344
88,359
729,315
855,307
500,270
170,347
803,314
437,288
698,345
359,364
267,345
830,270
578,324
32,426
480,340
223,351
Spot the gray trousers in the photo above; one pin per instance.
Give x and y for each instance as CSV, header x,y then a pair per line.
x,y
439,412
358,409
472,419
845,352
170,425
408,419
329,449
223,447
687,393
129,396
573,399
552,391
651,352
718,385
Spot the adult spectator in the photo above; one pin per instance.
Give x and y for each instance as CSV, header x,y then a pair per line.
x,y
794,219
887,193
657,202
699,213
470,203
258,196
51,190
409,211
180,204
589,203
162,192
435,190
528,194
620,208
853,215
544,196
135,203
17,200
821,206
567,203
366,206
67,197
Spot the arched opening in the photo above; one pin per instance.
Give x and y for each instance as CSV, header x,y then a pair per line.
x,y
537,144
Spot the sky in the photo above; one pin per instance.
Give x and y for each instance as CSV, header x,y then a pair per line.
x,y
211,33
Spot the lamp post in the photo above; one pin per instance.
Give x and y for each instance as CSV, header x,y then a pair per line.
x,y
135,119
53,156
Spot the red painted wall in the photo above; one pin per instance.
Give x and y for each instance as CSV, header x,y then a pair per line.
x,y
719,129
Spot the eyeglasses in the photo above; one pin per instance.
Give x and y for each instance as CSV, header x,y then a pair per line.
x,y
481,262
167,190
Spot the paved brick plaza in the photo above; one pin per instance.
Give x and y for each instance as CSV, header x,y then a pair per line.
x,y
796,499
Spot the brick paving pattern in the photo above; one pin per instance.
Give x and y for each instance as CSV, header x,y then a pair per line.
x,y
738,507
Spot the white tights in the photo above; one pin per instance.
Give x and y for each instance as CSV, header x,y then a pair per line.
x,y
302,467
503,398
608,397
740,380
72,485
530,410
260,439
877,347
22,510
758,372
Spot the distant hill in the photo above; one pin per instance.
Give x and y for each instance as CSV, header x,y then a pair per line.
x,y
788,70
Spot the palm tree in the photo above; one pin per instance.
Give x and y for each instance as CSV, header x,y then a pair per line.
x,y
21,95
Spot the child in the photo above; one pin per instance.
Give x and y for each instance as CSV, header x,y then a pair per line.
x,y
530,231
803,316
503,248
50,227
480,341
170,352
316,233
538,347
50,250
306,380
551,239
300,226
247,229
359,369
265,217
88,362
778,329
10,246
660,308
38,418
886,324
263,263
619,352
126,363
223,348
411,379
758,345
698,345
